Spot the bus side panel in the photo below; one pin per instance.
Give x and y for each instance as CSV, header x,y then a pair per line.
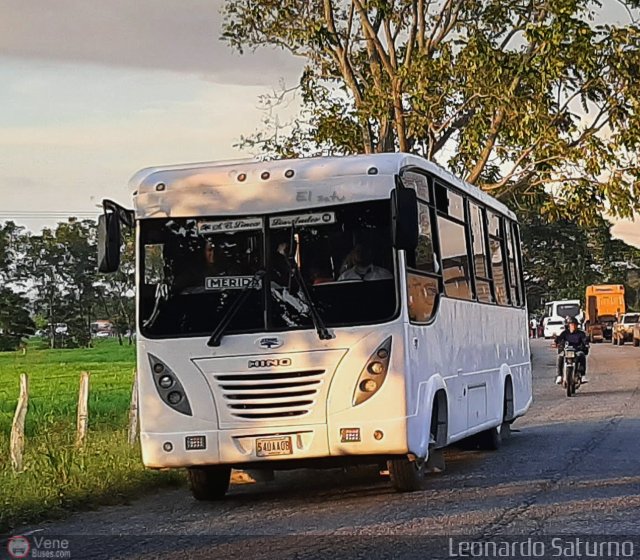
x,y
472,348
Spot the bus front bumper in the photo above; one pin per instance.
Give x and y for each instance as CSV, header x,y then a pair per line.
x,y
280,444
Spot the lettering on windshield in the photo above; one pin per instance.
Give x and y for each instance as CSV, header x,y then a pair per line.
x,y
231,282
227,226
303,220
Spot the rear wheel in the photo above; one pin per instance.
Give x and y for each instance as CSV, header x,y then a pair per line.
x,y
209,483
407,475
491,439
636,342
621,341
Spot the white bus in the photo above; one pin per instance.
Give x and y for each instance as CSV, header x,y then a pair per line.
x,y
556,312
320,312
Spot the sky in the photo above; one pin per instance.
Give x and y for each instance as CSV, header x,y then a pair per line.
x,y
93,90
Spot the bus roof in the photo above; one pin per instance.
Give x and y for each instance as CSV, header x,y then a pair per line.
x,y
301,172
605,289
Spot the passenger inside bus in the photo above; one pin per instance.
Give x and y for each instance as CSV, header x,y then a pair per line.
x,y
359,265
280,268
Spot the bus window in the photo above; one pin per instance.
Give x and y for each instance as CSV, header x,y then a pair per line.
x,y
425,256
497,260
455,265
456,206
423,293
518,248
511,259
480,257
417,182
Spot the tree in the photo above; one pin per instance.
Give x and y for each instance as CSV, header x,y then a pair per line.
x,y
116,290
521,97
15,322
58,270
561,258
557,261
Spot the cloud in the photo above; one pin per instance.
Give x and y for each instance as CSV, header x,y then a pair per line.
x,y
176,35
628,231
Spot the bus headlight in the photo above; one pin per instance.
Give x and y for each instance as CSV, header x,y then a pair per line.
x,y
169,388
376,368
373,374
368,386
166,381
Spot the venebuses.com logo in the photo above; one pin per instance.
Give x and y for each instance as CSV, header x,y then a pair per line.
x,y
20,546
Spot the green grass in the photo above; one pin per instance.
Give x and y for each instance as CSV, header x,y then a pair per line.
x,y
57,477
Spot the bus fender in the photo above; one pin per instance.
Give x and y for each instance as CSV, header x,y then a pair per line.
x,y
419,421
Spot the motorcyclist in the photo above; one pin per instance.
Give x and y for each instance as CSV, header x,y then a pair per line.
x,y
577,338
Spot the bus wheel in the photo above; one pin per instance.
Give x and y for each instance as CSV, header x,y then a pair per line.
x,y
491,439
407,475
209,483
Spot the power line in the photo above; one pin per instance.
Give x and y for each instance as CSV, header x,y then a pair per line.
x,y
47,214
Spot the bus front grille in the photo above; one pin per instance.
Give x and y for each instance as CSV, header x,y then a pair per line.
x,y
257,396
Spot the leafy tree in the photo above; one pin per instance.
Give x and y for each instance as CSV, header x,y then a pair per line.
x,y
116,291
58,268
521,97
15,322
562,258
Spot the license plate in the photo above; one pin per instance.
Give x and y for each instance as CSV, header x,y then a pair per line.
x,y
268,447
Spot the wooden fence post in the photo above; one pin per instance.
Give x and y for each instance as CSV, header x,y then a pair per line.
x,y
17,428
133,411
83,409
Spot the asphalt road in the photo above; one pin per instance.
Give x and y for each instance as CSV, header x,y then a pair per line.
x,y
571,468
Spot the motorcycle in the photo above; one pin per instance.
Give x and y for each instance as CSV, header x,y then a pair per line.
x,y
570,375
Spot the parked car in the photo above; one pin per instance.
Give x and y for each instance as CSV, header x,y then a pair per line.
x,y
624,327
553,327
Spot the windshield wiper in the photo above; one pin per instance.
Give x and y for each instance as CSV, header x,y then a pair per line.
x,y
217,334
294,270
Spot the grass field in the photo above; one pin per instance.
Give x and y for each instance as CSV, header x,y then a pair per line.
x,y
57,477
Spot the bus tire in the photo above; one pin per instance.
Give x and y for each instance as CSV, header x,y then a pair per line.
x,y
209,483
407,475
492,438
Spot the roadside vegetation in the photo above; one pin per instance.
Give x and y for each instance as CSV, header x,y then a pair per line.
x,y
58,477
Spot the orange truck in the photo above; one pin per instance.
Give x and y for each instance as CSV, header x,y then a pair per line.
x,y
604,304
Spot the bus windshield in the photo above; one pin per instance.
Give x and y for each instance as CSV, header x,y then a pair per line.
x,y
568,310
195,268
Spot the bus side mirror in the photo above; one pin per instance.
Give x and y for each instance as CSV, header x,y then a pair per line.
x,y
405,219
109,241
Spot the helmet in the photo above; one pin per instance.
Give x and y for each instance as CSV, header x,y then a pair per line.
x,y
573,320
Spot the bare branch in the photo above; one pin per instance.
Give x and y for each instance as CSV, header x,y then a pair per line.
x,y
412,35
390,43
373,37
